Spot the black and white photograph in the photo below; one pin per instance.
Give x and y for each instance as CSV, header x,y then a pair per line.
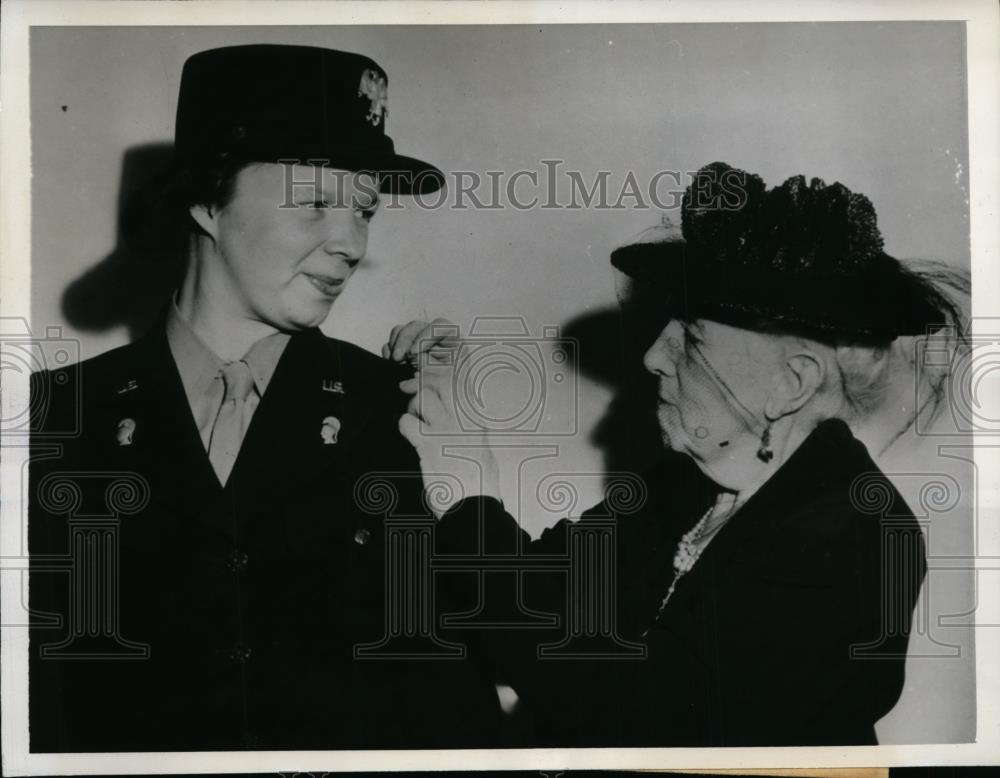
x,y
498,386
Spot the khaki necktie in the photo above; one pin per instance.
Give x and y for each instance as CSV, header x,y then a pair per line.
x,y
231,423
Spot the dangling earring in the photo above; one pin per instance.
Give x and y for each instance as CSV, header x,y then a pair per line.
x,y
764,453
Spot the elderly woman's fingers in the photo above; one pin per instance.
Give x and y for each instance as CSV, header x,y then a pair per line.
x,y
420,404
431,405
445,340
413,406
473,473
440,381
390,344
403,338
409,428
436,412
437,339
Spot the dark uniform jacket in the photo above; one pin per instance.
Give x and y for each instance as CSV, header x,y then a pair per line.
x,y
185,615
791,629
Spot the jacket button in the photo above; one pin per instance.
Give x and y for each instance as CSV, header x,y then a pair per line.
x,y
237,560
362,536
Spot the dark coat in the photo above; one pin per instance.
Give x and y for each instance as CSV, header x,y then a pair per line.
x,y
249,598
791,629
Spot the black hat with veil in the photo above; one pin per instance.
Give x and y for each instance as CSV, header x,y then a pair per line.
x,y
801,258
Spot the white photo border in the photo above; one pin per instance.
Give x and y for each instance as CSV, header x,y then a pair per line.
x,y
18,16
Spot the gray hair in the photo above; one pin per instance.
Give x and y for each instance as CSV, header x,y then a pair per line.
x,y
869,375
864,375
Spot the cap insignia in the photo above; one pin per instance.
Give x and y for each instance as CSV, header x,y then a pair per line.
x,y
375,87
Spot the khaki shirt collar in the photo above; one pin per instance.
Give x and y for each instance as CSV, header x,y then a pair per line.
x,y
199,366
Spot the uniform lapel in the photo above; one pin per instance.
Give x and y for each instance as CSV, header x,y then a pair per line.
x,y
293,437
166,447
309,420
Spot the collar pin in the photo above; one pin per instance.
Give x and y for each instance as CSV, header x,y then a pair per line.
x,y
126,430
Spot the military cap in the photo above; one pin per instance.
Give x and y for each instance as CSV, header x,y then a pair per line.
x,y
275,103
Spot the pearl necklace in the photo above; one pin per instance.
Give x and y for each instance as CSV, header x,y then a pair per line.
x,y
693,544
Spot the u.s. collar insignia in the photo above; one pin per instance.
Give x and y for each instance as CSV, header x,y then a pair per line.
x,y
128,386
375,87
329,385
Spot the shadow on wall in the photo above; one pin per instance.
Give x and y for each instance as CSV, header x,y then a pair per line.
x,y
612,342
132,284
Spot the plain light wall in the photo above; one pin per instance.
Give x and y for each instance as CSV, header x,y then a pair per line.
x,y
878,106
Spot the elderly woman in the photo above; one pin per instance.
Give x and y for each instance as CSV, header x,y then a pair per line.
x,y
769,597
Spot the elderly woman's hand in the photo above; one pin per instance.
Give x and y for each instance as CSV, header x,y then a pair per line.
x,y
456,462
438,340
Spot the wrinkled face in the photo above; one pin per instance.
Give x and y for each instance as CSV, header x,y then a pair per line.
x,y
713,383
289,239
